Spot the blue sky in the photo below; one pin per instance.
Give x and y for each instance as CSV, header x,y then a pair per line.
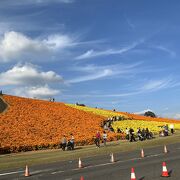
x,y
108,54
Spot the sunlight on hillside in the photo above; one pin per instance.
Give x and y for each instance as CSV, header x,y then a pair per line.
x,y
152,125
97,111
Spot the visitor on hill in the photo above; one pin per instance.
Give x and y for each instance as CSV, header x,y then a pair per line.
x,y
1,92
72,142
97,139
127,133
104,138
166,128
171,126
139,134
119,130
147,133
131,132
63,143
143,133
69,145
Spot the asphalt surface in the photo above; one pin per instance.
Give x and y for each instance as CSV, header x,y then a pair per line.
x,y
100,167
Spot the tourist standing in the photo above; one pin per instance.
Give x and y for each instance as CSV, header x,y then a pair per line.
x,y
63,143
104,138
171,126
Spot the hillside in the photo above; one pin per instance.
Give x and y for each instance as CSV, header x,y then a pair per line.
x,y
33,124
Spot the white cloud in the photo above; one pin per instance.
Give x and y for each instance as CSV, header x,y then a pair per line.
x,y
42,92
154,85
165,49
15,45
92,53
28,74
35,2
94,72
98,75
51,1
142,112
177,116
57,41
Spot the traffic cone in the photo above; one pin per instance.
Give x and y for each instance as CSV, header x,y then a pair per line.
x,y
112,158
80,163
142,153
26,174
165,149
133,176
82,178
164,170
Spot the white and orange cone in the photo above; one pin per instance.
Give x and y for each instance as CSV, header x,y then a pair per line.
x,y
80,163
164,170
142,153
26,174
133,176
165,149
112,158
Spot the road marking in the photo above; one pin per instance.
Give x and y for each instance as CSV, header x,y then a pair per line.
x,y
154,155
106,164
56,172
9,173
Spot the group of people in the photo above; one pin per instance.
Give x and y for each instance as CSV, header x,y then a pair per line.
x,y
131,135
165,130
98,138
107,124
67,144
141,134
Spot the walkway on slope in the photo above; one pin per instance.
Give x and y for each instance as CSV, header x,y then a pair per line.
x,y
3,104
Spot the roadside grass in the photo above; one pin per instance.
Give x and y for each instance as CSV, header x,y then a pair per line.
x,y
19,160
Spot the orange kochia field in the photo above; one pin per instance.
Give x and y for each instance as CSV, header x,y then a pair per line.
x,y
32,124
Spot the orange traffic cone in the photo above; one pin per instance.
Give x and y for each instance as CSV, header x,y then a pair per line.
x,y
164,170
82,178
133,176
80,163
26,171
165,149
142,153
112,158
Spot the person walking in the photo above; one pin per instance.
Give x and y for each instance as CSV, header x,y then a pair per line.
x,y
63,143
131,132
127,133
104,138
171,126
72,141
97,140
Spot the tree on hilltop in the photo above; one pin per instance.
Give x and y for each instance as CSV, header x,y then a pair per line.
x,y
149,114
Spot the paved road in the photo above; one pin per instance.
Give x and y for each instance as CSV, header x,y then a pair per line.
x,y
100,167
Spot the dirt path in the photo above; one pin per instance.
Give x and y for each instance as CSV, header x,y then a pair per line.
x,y
3,105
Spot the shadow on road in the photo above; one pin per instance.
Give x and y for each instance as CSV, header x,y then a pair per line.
x,y
142,178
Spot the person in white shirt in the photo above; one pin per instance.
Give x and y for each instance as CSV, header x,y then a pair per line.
x,y
104,138
172,128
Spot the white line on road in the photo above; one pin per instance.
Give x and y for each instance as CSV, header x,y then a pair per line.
x,y
9,173
56,172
